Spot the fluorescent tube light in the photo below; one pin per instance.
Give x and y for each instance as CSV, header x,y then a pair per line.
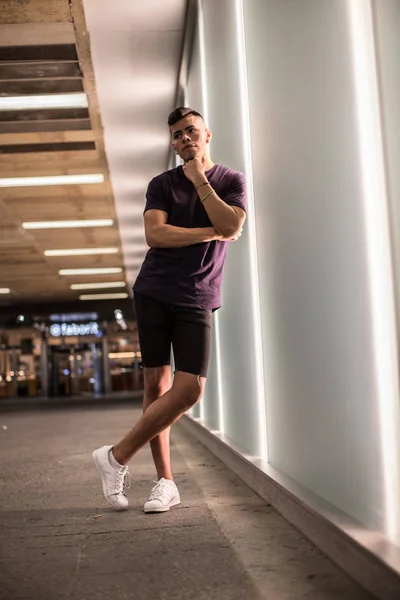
x,y
97,286
5,290
103,296
251,225
80,251
44,101
66,224
121,354
95,271
204,97
85,178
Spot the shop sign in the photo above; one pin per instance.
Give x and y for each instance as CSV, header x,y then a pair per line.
x,y
73,329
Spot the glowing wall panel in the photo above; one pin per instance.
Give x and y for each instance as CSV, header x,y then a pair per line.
x,y
327,408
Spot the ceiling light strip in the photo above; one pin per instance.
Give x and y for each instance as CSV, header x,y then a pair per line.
x,y
204,97
90,271
86,178
67,224
44,101
80,251
117,296
97,286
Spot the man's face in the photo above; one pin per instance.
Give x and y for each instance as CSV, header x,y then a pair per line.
x,y
190,137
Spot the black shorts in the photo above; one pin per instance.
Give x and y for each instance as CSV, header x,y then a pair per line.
x,y
162,325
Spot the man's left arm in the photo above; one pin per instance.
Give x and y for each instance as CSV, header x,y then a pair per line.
x,y
226,219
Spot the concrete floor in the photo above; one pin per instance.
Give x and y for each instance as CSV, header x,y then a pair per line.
x,y
60,539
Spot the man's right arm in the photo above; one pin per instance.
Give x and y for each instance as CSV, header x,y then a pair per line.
x,y
161,235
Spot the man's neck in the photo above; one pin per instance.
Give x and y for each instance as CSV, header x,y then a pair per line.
x,y
208,163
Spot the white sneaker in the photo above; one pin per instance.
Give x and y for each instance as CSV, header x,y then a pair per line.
x,y
111,478
163,495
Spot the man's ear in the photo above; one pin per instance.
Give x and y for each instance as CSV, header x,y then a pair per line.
x,y
208,135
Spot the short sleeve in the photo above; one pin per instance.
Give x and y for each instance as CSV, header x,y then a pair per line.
x,y
236,193
156,197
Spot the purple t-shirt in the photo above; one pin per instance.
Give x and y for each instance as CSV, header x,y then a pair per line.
x,y
192,275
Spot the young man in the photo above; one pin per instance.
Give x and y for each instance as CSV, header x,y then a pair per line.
x,y
191,213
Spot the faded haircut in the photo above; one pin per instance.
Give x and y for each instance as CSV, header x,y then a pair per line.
x,y
180,113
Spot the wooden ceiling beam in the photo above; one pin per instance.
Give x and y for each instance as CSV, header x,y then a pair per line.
x,y
62,211
42,70
35,11
57,192
38,53
49,137
87,161
85,59
43,203
40,269
38,126
50,171
56,211
33,34
54,207
37,148
48,114
40,87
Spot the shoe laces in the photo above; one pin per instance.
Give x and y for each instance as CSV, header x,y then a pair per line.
x,y
123,480
160,490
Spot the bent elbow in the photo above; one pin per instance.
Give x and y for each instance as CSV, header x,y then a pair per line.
x,y
153,244
230,232
149,240
152,239
236,229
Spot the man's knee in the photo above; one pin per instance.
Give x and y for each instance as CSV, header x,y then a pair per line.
x,y
189,389
157,381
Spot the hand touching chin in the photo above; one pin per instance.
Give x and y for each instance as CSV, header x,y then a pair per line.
x,y
190,154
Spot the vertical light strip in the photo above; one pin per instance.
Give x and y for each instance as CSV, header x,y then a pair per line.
x,y
203,75
252,237
379,251
221,412
203,79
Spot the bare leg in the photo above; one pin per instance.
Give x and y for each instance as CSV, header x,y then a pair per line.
x,y
186,390
157,381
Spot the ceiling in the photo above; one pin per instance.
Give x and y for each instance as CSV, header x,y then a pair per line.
x,y
125,56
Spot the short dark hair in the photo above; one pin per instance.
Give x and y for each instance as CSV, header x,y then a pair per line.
x,y
180,113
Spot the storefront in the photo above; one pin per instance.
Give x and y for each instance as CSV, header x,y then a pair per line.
x,y
69,355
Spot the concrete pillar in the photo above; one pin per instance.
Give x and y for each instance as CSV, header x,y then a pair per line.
x,y
73,373
97,369
106,366
53,373
14,369
44,366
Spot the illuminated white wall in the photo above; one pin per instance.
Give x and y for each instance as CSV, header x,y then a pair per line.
x,y
210,408
328,329
233,379
387,26
325,416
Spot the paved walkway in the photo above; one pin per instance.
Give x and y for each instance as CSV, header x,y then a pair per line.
x,y
60,539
